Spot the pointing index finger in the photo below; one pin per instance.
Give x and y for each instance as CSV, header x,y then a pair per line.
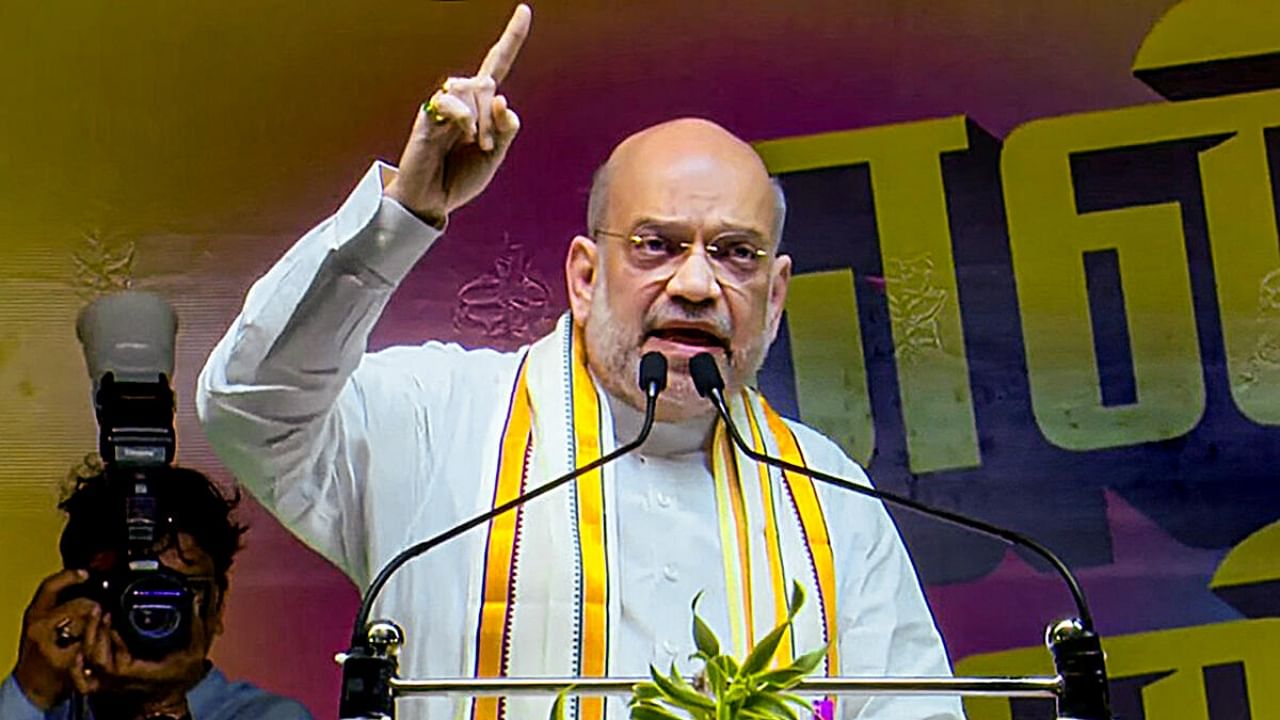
x,y
503,53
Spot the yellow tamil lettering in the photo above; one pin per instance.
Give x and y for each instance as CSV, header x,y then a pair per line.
x,y
826,351
1240,214
915,249
1048,236
1181,655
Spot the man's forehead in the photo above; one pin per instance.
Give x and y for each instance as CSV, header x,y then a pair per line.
x,y
682,180
709,225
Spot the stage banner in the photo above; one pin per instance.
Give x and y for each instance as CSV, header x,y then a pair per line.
x,y
1037,275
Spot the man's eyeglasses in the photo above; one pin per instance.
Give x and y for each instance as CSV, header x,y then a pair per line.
x,y
735,256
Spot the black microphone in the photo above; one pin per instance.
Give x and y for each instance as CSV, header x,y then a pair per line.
x,y
1076,648
367,667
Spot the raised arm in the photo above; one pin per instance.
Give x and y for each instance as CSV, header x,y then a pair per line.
x,y
276,396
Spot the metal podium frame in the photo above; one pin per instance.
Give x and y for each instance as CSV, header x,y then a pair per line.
x,y
1007,687
1079,688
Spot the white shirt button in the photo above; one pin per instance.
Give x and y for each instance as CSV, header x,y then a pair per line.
x,y
664,500
670,573
669,648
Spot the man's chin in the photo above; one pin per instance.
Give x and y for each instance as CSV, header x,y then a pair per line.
x,y
679,353
680,402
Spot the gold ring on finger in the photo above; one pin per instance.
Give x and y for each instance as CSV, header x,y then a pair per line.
x,y
62,635
433,112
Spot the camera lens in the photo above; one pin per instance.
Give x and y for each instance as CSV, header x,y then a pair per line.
x,y
154,621
156,607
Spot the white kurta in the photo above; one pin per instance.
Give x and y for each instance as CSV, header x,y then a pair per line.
x,y
363,454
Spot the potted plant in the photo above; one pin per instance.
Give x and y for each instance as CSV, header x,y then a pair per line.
x,y
726,689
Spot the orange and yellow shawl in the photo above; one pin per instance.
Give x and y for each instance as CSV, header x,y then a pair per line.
x,y
556,620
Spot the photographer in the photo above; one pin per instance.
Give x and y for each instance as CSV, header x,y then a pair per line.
x,y
74,662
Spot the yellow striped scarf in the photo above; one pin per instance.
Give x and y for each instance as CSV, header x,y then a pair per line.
x,y
558,620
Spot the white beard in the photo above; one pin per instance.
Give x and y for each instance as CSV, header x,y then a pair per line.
x,y
613,355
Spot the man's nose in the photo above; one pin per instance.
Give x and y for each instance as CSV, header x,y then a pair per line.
x,y
694,278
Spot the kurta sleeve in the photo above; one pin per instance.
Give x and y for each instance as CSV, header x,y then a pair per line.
x,y
277,397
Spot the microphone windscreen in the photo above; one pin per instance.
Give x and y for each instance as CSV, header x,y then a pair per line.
x,y
705,374
129,334
653,371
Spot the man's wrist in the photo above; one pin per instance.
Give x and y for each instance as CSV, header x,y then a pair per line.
x,y
436,218
44,698
433,213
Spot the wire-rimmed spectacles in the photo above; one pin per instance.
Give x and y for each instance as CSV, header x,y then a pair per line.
x,y
735,256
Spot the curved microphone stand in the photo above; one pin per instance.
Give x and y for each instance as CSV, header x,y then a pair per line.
x,y
369,666
1079,688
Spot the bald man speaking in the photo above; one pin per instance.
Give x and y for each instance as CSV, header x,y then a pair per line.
x,y
362,454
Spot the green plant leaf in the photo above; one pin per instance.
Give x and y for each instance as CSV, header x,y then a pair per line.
x,y
764,651
781,679
810,661
725,689
730,666
679,692
676,677
678,680
644,691
735,695
652,711
716,678
793,698
557,707
703,637
771,704
797,599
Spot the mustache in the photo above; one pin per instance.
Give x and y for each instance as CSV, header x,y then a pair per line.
x,y
701,315
705,316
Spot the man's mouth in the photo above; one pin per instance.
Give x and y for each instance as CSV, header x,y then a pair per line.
x,y
694,337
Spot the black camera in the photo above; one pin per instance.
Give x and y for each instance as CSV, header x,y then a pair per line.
x,y
128,341
151,610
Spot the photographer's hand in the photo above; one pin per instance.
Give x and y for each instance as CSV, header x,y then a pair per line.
x,y
49,655
149,687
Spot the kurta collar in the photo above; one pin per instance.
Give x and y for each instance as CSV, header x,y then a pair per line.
x,y
668,439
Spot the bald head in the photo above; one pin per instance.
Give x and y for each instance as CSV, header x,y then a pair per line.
x,y
680,146
688,136
704,286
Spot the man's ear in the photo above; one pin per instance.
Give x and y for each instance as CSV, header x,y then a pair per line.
x,y
580,277
213,620
779,280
